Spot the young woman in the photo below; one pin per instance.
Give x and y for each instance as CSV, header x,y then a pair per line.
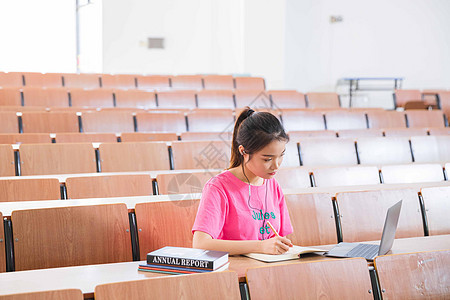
x,y
236,204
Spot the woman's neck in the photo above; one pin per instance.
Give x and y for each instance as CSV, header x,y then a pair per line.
x,y
248,177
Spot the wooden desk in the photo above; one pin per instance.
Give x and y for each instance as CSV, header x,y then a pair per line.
x,y
87,277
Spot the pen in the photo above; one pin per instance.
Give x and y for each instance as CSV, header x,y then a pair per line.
x,y
273,229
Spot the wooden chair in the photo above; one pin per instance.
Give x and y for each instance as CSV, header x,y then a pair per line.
x,y
208,120
329,279
49,80
49,122
153,82
291,158
439,131
437,208
218,82
135,98
24,189
401,97
327,152
68,294
109,186
425,118
255,99
444,102
8,122
357,133
214,99
420,275
161,122
148,137
344,176
187,82
24,138
2,246
91,98
427,149
386,119
11,79
384,150
42,159
81,81
71,236
303,120
118,81
201,154
219,285
141,156
287,99
412,173
298,135
108,121
80,137
183,183
7,165
249,83
10,96
368,210
406,132
206,136
176,99
339,120
323,100
292,178
48,97
165,223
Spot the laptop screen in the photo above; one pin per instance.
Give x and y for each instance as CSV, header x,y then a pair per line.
x,y
390,226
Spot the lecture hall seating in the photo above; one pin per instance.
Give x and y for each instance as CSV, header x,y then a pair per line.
x,y
92,98
68,294
249,83
153,82
437,209
401,97
107,121
343,176
210,120
327,152
201,154
291,178
357,133
49,122
187,82
287,99
206,136
81,81
48,97
383,150
10,96
218,82
323,100
48,80
183,183
161,122
303,120
148,137
407,132
216,99
135,98
25,189
181,99
8,122
255,99
386,119
7,165
425,118
81,137
2,246
24,138
118,81
429,149
298,135
411,173
339,120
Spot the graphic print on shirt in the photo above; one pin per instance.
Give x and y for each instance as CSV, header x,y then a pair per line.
x,y
264,229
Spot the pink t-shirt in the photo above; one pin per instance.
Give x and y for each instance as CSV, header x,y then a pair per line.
x,y
225,211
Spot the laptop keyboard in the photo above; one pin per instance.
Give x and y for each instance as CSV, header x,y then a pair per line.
x,y
364,250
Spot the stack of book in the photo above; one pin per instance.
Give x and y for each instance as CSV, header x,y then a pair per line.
x,y
178,260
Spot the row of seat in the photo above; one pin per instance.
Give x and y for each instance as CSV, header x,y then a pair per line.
x,y
209,120
130,81
105,233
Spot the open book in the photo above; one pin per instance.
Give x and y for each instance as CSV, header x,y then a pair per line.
x,y
293,253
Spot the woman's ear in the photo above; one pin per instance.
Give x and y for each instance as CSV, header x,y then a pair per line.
x,y
241,150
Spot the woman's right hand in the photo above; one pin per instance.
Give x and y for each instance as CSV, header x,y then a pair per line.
x,y
276,245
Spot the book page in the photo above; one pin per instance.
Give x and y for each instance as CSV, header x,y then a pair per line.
x,y
293,253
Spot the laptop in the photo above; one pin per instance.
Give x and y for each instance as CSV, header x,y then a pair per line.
x,y
369,251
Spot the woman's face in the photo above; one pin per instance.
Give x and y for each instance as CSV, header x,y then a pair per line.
x,y
266,162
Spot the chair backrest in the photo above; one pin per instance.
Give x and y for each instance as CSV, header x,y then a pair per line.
x,y
201,154
7,165
218,82
161,121
176,99
8,122
187,82
148,137
343,176
222,99
2,245
357,133
183,183
412,173
430,148
135,98
207,120
108,121
48,97
312,219
330,279
24,189
301,120
255,99
437,209
68,294
11,79
140,156
297,135
408,132
165,223
327,152
287,99
403,96
291,158
82,81
91,98
439,131
118,81
49,80
24,138
249,83
153,82
386,119
323,100
42,159
93,234
10,96
49,122
368,210
420,275
338,120
219,285
291,178
383,150
80,137
109,186
206,136
425,118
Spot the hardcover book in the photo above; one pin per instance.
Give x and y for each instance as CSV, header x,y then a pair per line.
x,y
177,270
293,253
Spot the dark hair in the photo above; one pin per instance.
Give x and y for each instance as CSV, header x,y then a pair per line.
x,y
254,130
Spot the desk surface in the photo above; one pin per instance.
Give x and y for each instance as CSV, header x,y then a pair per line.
x,y
87,277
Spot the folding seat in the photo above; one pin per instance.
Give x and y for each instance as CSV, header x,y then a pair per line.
x,y
49,122
303,120
425,118
48,97
25,138
176,99
401,97
148,137
218,82
92,98
327,152
345,176
81,137
11,79
386,119
187,82
108,121
429,149
255,99
249,83
118,81
287,99
135,98
383,150
161,122
217,120
322,100
217,99
48,80
339,120
29,189
153,82
81,81
10,96
8,122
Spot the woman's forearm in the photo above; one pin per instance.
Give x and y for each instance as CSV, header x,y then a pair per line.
x,y
232,247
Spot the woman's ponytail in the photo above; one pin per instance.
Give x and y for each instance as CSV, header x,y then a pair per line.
x,y
236,157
